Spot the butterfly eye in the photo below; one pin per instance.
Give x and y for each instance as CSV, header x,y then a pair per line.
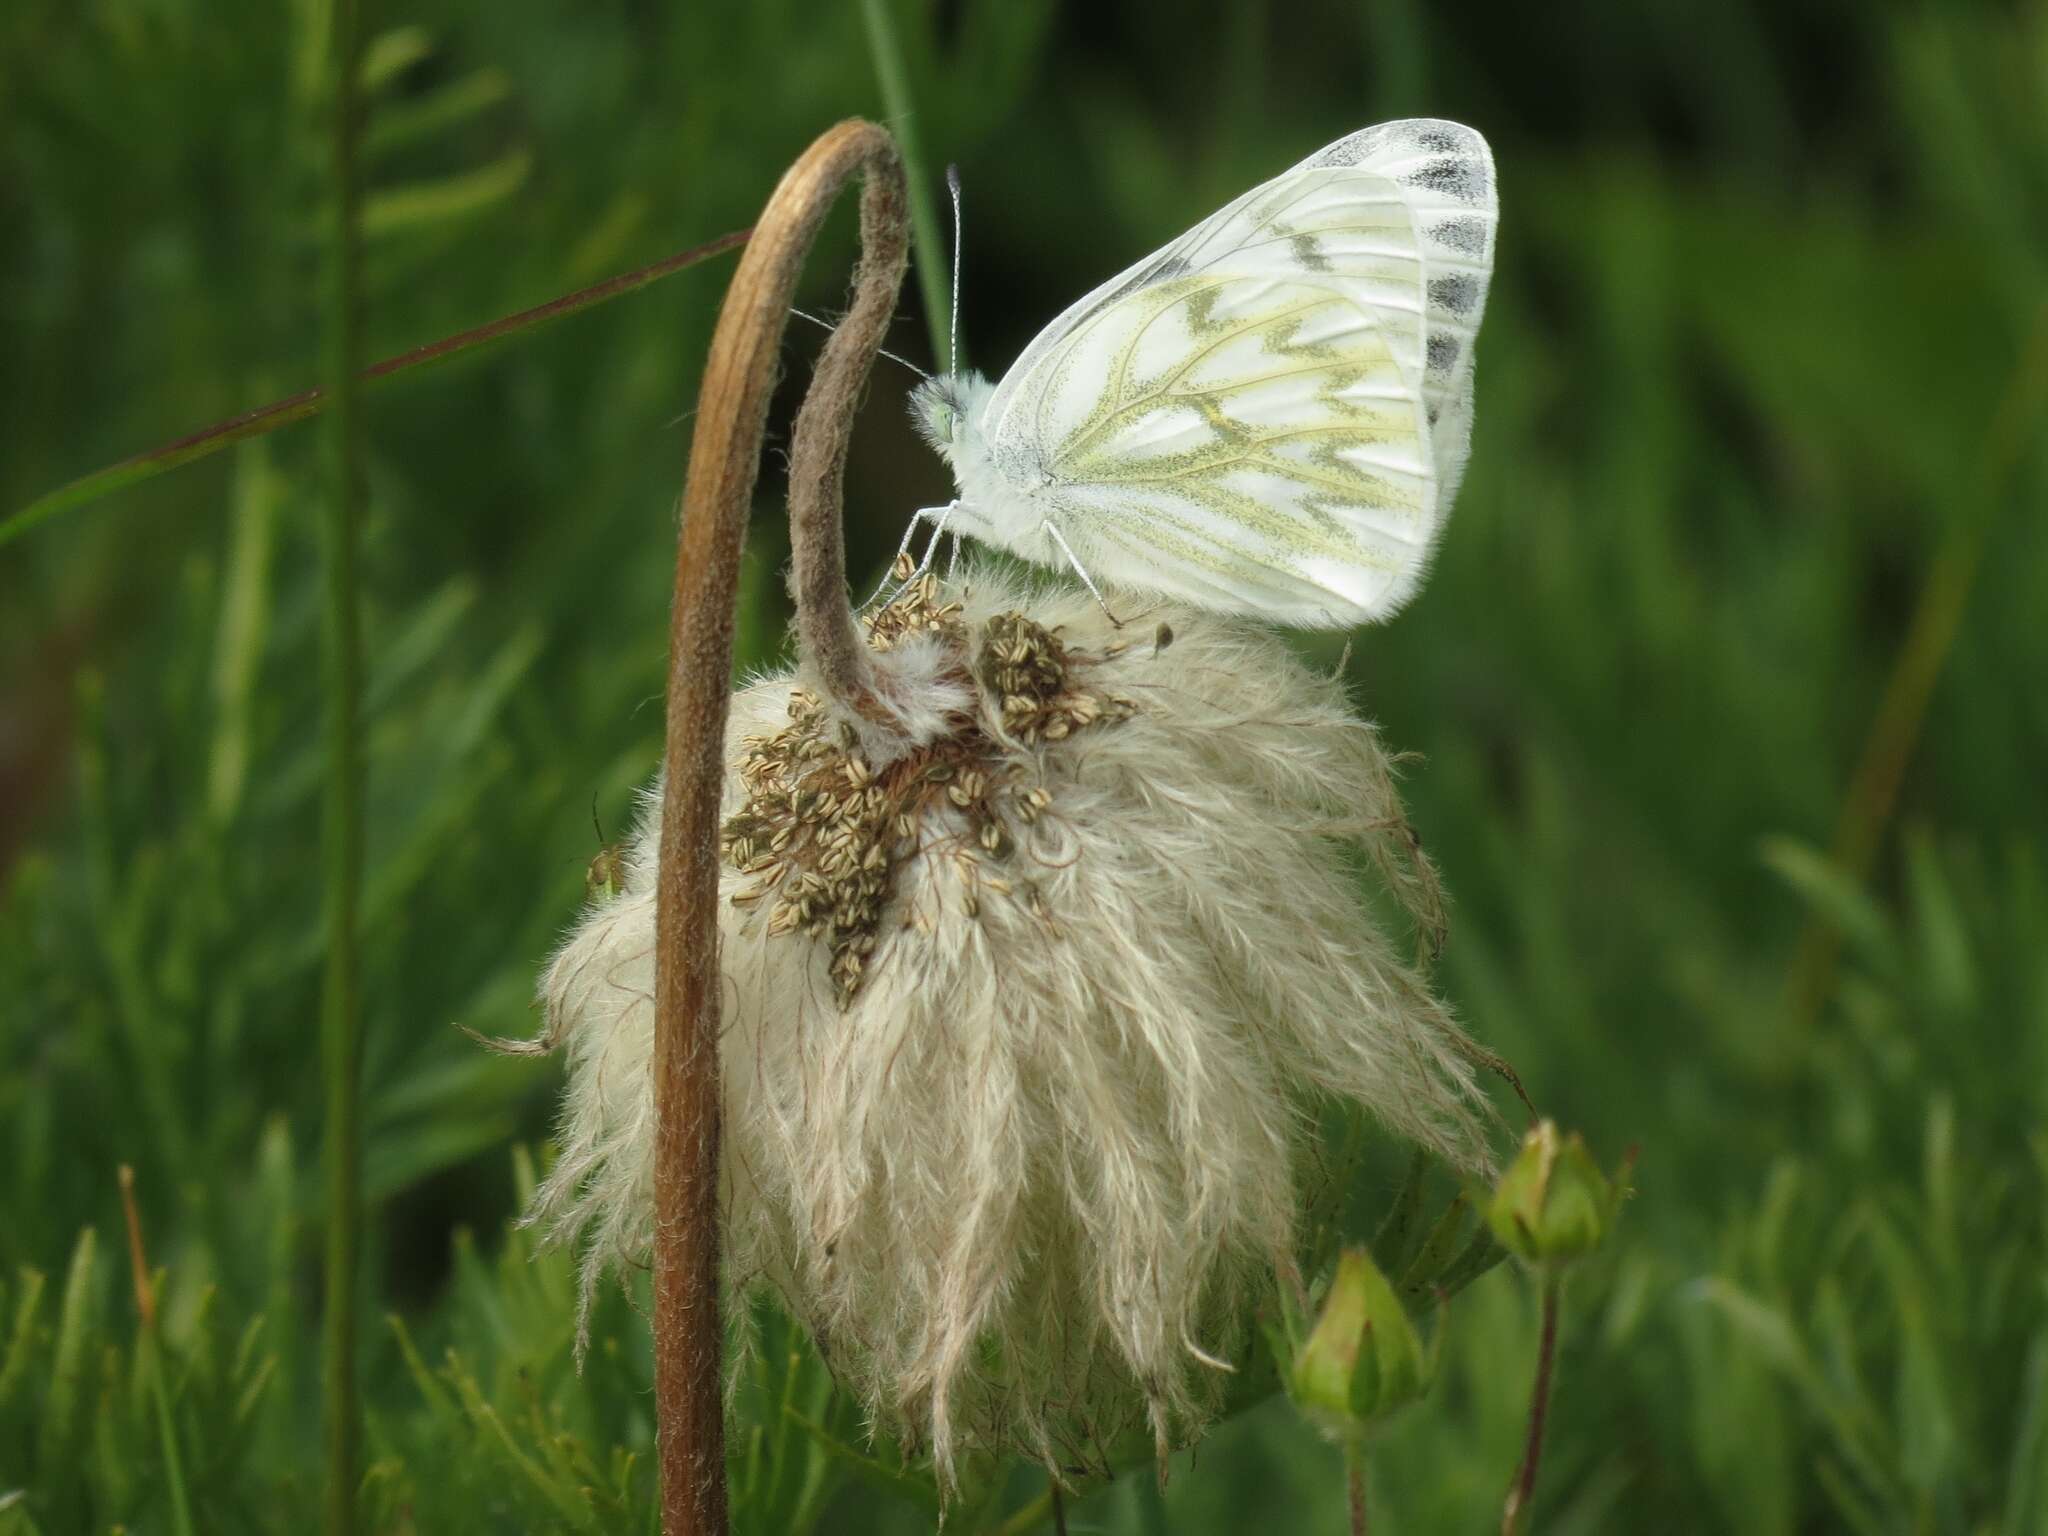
x,y
938,410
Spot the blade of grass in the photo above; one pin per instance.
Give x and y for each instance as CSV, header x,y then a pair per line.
x,y
150,1348
15,1363
59,1420
308,403
1400,1230
393,209
2027,1473
402,124
1846,1414
1028,1517
243,627
897,1481
1440,1249
342,822
932,280
573,1510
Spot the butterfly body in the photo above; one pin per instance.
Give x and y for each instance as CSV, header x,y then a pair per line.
x,y
1007,503
1268,416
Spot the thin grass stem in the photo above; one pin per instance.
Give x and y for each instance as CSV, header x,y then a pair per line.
x,y
308,403
926,239
1514,1516
1354,1489
1029,1517
150,1347
1902,712
342,829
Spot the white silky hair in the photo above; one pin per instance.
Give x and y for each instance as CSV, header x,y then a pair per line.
x,y
1024,1184
947,412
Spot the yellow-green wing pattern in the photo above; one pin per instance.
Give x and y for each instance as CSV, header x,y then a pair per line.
x,y
1272,414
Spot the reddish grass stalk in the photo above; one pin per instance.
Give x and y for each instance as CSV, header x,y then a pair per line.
x,y
725,455
311,402
1515,1515
1938,612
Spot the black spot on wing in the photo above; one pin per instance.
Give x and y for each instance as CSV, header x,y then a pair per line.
x,y
1455,294
1355,150
1452,175
1465,236
1443,354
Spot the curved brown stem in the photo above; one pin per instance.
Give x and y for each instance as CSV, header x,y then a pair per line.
x,y
725,455
817,455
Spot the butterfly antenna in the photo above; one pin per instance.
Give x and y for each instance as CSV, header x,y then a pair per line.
x,y
593,819
804,314
953,340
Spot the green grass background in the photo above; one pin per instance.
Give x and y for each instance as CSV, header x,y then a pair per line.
x,y
1763,366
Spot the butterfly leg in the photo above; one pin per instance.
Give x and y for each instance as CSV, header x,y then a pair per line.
x,y
939,517
1080,571
934,515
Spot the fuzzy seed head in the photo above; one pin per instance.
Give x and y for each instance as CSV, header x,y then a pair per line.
x,y
1024,1025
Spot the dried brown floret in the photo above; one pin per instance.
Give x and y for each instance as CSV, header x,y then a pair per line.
x,y
829,830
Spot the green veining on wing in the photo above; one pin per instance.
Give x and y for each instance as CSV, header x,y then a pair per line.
x,y
1303,517
1308,254
1112,410
1264,218
1161,529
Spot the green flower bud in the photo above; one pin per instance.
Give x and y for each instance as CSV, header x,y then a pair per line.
x,y
1554,1204
606,876
1363,1359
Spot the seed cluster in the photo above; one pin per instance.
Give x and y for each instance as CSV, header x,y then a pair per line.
x,y
822,833
1024,665
914,610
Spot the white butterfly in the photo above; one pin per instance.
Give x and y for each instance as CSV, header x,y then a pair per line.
x,y
1269,416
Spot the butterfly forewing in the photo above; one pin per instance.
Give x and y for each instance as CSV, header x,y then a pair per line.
x,y
1269,413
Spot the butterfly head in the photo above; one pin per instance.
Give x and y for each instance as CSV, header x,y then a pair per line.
x,y
945,407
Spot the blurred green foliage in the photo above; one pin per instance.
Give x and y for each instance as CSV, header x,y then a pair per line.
x,y
1769,275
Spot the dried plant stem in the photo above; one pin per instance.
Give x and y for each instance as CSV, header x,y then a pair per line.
x,y
817,458
342,826
308,403
725,455
1515,1513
